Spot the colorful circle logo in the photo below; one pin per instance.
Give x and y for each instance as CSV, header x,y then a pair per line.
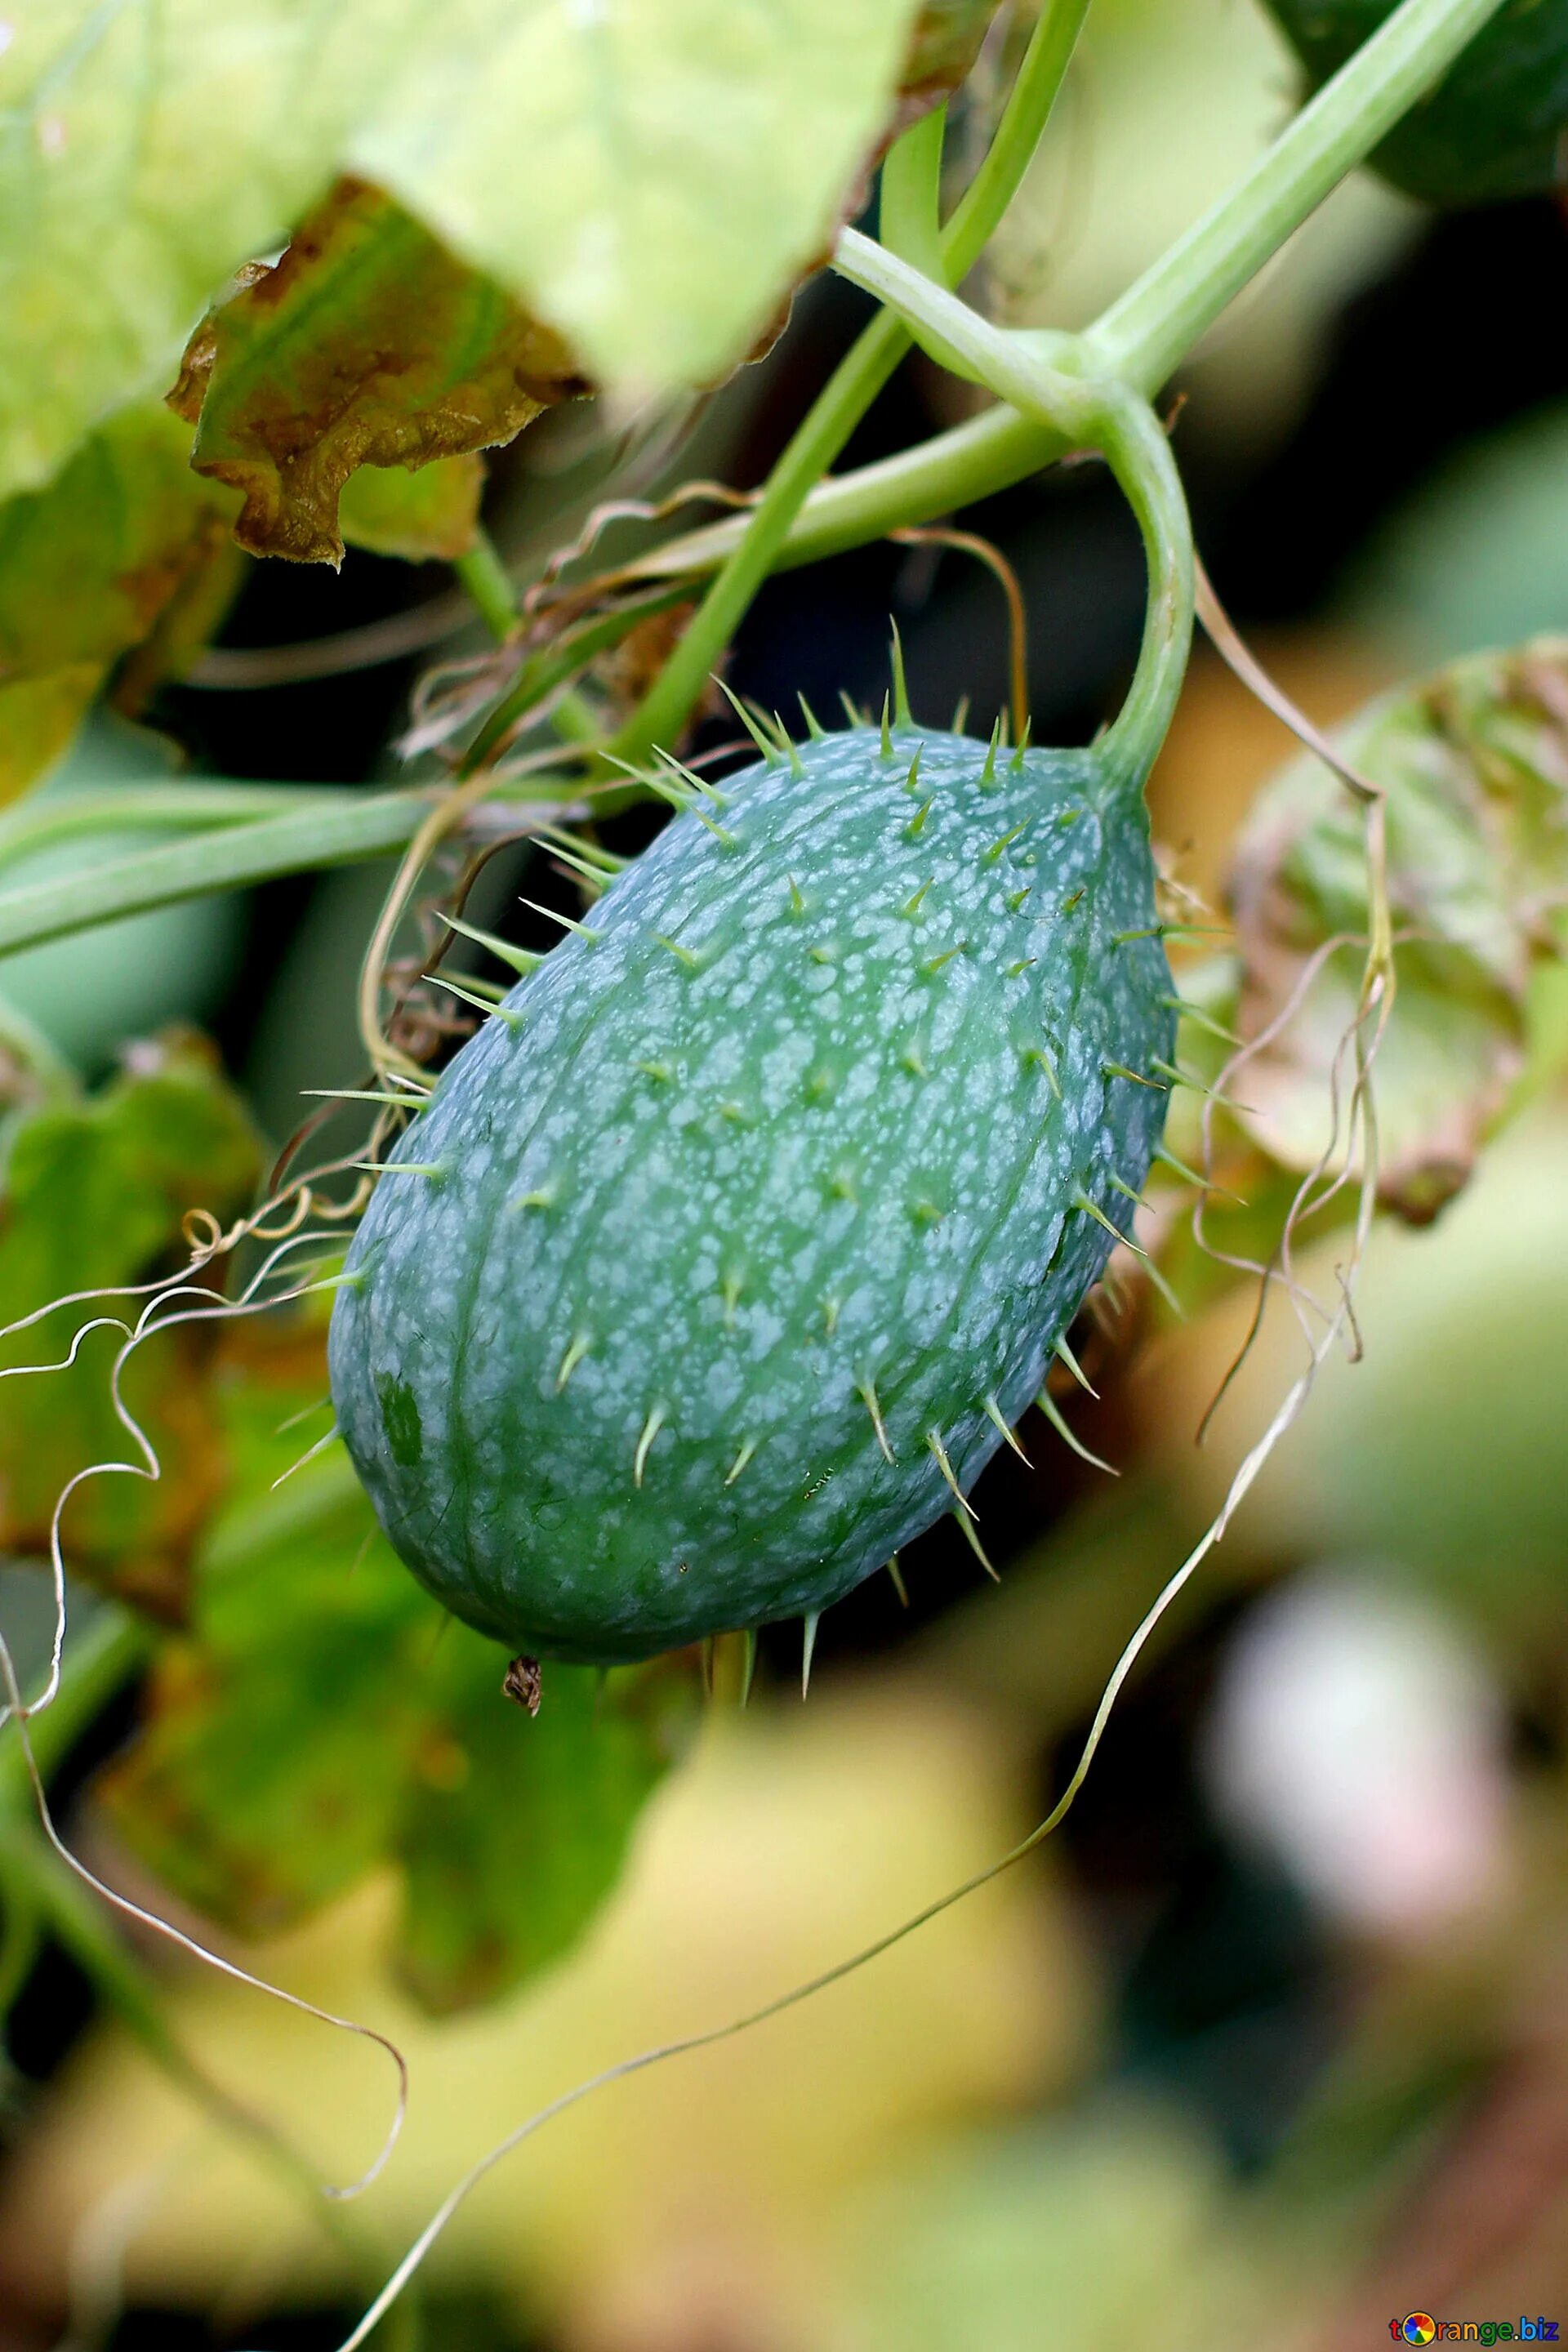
x,y
1419,2327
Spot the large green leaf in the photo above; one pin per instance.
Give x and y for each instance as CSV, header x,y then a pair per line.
x,y
648,178
282,1736
514,1830
126,548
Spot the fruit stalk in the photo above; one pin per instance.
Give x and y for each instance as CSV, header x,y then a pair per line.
x,y
1090,412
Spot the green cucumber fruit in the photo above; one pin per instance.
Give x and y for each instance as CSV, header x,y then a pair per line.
x,y
727,1252
1496,123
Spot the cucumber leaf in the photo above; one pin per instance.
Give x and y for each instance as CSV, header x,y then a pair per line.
x,y
648,180
281,1733
513,1832
1474,761
422,516
146,156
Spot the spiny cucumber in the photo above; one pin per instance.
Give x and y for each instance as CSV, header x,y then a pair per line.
x,y
728,1251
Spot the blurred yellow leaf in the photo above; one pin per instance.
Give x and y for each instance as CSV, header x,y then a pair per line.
x,y
91,567
712,2186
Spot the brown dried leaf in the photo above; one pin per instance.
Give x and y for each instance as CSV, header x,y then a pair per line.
x,y
367,344
629,668
1474,763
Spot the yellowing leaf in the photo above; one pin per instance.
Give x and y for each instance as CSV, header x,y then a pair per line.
x,y
366,345
146,154
126,539
38,717
419,516
649,178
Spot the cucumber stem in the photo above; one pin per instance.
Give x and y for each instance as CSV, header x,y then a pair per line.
x,y
489,584
909,218
1089,414
1138,452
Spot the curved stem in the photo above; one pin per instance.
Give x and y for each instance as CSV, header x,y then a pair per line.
x,y
356,826
1139,454
1041,72
953,469
149,808
1017,367
214,860
1093,414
